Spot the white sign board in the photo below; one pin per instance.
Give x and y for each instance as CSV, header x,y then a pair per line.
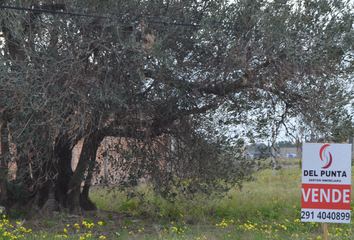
x,y
326,182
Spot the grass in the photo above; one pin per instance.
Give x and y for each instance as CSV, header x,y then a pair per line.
x,y
267,208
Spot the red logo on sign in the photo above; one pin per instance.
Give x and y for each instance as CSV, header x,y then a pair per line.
x,y
327,155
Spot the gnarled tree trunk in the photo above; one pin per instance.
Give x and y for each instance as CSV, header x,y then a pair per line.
x,y
88,154
3,167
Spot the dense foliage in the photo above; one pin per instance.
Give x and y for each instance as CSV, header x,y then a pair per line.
x,y
155,75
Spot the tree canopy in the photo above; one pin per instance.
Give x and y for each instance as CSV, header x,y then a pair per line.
x,y
157,74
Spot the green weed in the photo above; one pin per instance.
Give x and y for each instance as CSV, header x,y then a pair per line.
x,y
266,208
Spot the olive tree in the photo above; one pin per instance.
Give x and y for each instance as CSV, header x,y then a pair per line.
x,y
153,74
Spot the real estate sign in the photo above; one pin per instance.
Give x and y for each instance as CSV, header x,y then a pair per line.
x,y
326,183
